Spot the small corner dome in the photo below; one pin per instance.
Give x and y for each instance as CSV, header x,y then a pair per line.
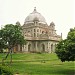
x,y
18,23
35,16
52,23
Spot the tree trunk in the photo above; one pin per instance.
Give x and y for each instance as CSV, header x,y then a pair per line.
x,y
9,52
5,58
10,55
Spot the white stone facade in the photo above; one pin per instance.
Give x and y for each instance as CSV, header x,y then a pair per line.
x,y
40,36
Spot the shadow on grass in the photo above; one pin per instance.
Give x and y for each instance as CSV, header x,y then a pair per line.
x,y
61,71
56,72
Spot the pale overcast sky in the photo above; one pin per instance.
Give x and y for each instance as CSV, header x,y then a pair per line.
x,y
61,12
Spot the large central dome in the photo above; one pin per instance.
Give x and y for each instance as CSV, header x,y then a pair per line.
x,y
35,15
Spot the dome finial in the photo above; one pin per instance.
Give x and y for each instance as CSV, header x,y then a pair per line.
x,y
34,8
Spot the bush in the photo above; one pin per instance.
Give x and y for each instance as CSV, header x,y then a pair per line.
x,y
5,71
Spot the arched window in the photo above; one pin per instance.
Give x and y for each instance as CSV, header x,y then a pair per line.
x,y
34,30
34,35
42,32
37,34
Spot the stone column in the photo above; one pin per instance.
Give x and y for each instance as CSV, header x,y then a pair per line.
x,y
18,47
49,48
22,48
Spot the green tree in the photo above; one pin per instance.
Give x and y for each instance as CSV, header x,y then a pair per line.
x,y
65,50
11,35
1,45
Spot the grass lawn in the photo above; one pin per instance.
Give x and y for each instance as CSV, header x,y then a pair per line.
x,y
39,64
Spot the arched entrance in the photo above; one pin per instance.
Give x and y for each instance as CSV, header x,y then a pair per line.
x,y
29,47
43,48
51,48
55,47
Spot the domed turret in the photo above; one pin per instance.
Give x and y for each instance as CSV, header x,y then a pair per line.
x,y
35,16
52,26
18,23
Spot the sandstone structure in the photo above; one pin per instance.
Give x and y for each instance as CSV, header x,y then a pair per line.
x,y
40,36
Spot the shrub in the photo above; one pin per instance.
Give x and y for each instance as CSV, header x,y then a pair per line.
x,y
5,71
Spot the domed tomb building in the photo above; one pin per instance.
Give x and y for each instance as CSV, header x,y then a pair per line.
x,y
40,36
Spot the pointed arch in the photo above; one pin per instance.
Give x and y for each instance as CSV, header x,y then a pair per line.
x,y
43,47
29,47
51,48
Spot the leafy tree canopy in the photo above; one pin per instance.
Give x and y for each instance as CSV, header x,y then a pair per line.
x,y
10,36
65,50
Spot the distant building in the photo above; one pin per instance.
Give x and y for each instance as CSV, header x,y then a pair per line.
x,y
40,36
